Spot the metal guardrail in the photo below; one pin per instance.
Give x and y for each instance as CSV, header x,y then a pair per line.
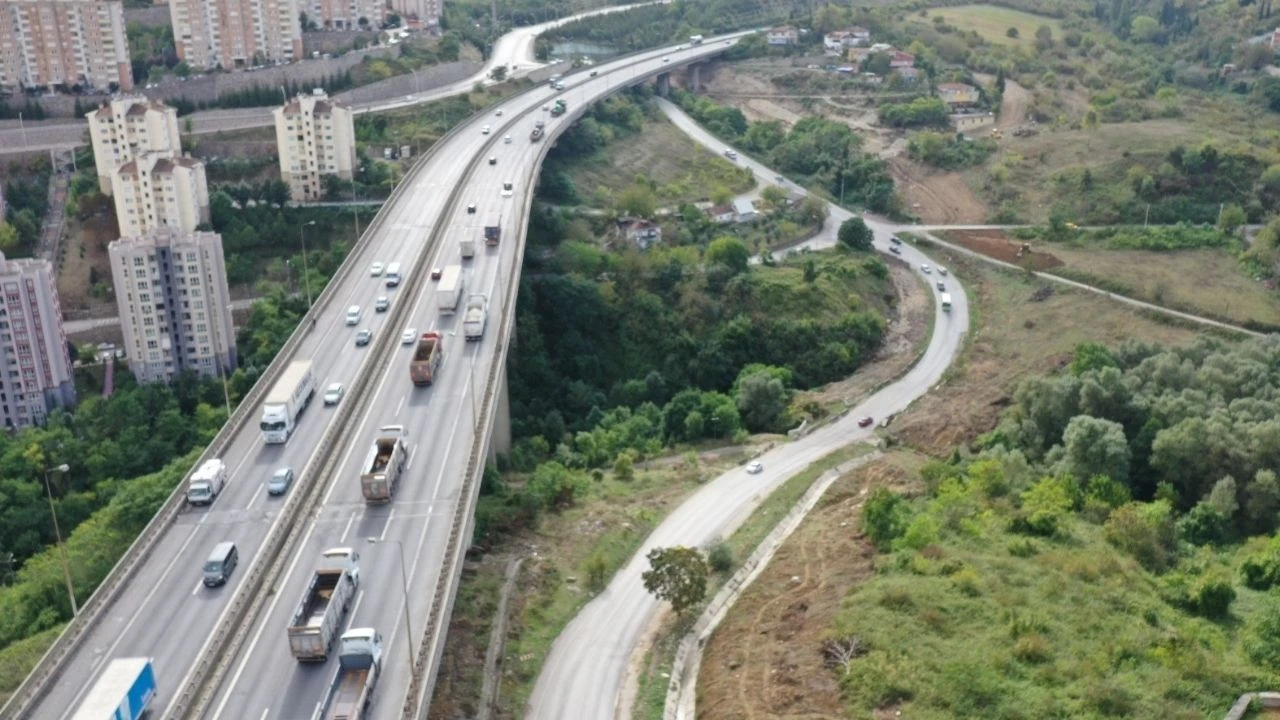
x,y
277,549
417,702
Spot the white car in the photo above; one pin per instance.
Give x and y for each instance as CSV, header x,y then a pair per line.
x,y
333,394
506,190
924,268
376,269
942,271
353,315
485,131
409,336
507,139
755,467
498,112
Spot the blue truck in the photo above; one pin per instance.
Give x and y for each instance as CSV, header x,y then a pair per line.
x,y
124,691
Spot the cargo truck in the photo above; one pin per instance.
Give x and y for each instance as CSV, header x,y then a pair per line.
x,y
946,302
468,247
493,230
476,315
358,664
286,401
426,359
558,108
206,482
318,618
124,691
695,39
383,465
538,130
449,292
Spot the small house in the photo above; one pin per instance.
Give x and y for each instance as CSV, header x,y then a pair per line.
x,y
899,59
744,210
783,35
958,94
641,232
722,214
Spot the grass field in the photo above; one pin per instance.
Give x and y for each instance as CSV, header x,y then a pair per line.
x,y
683,170
993,23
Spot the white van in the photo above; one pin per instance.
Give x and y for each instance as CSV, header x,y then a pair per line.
x,y
206,482
393,274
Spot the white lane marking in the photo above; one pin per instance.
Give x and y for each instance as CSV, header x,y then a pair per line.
x,y
256,493
196,589
390,516
400,405
265,711
111,651
351,616
347,529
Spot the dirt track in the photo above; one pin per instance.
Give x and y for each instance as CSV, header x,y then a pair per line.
x,y
994,243
937,197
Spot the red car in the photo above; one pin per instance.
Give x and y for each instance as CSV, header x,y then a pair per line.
x,y
435,273
865,421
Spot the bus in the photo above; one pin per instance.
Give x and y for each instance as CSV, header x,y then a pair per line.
x,y
946,302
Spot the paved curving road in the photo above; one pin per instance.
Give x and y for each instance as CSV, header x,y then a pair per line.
x,y
583,676
514,48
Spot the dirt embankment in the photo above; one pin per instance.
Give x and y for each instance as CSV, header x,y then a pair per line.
x,y
996,244
938,198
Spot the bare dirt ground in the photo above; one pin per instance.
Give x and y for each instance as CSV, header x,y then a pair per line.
x,y
765,660
1014,104
86,248
996,244
936,197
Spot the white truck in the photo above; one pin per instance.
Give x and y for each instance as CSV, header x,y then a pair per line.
x,y
946,302
474,319
286,401
468,246
383,464
206,482
358,664
318,618
450,290
123,691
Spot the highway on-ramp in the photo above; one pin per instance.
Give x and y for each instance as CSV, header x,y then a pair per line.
x,y
583,677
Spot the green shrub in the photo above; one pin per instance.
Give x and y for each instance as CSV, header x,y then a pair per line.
x,y
720,558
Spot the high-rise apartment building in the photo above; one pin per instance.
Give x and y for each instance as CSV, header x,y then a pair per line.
x,y
175,309
155,190
315,136
47,43
345,14
35,365
234,34
130,126
426,12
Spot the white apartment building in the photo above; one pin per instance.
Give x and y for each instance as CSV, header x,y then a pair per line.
x,y
236,34
47,43
175,308
35,365
130,126
315,136
155,191
426,12
346,14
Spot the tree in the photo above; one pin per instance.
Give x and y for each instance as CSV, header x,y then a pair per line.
x,y
8,238
884,517
1012,32
761,398
721,195
855,235
1044,38
1231,218
774,196
499,73
638,201
1144,530
1261,510
1091,356
729,252
677,575
1144,28
1094,446
623,469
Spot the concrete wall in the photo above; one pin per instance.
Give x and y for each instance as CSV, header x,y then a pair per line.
x,y
427,79
328,42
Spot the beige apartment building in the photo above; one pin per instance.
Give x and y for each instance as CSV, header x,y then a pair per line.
x,y
35,365
345,14
426,12
236,34
175,308
155,190
47,43
130,126
315,136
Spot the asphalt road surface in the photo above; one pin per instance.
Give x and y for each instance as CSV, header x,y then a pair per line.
x,y
584,674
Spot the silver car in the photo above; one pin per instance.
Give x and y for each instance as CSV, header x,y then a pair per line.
x,y
333,394
280,481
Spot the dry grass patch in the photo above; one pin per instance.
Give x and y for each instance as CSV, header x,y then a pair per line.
x,y
993,23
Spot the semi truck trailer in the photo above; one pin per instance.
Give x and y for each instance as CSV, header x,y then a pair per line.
x,y
286,401
449,292
123,691
318,617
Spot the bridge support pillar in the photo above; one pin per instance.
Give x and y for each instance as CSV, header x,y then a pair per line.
x,y
664,85
695,77
500,440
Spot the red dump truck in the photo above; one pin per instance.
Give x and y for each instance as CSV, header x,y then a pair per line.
x,y
426,358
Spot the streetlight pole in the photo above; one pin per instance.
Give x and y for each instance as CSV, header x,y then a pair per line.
x,y
306,274
404,587
57,533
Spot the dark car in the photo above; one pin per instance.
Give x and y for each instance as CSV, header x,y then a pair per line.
x,y
471,209
864,422
280,481
363,337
